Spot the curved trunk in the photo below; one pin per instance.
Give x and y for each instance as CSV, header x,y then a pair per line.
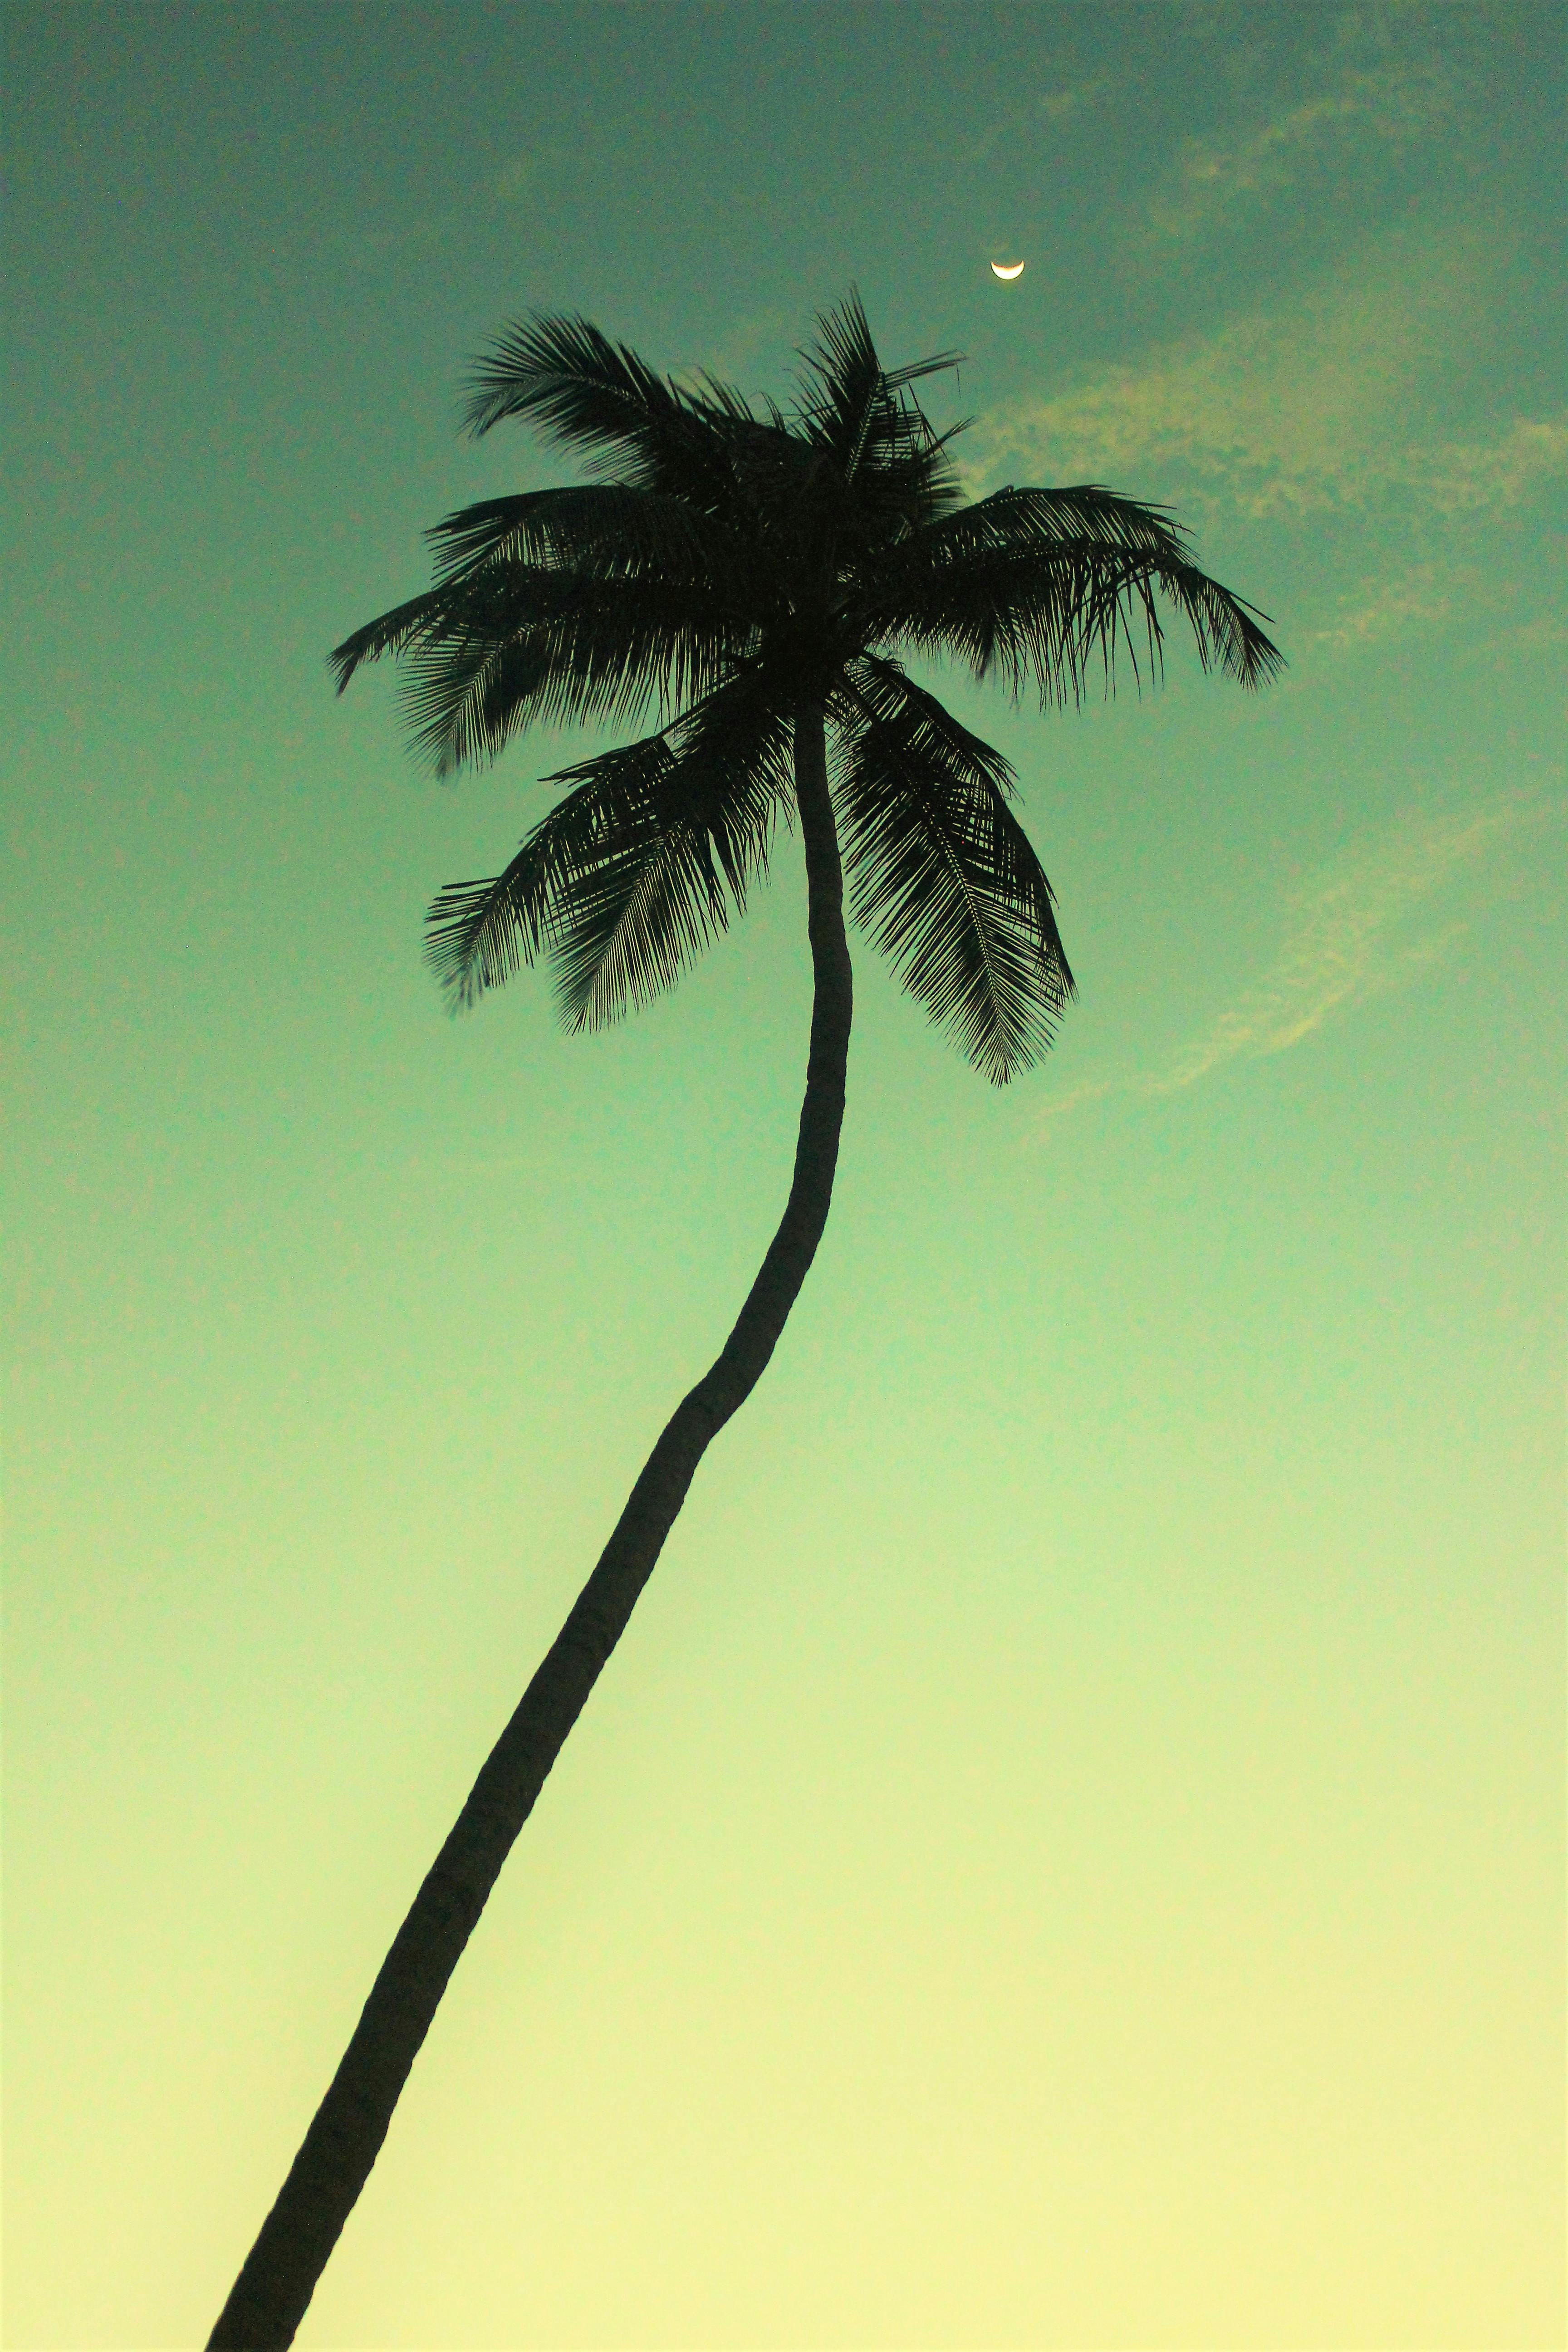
x,y
272,2292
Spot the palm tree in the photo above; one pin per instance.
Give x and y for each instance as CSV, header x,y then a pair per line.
x,y
759,578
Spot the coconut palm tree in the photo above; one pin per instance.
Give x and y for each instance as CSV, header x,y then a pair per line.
x,y
758,580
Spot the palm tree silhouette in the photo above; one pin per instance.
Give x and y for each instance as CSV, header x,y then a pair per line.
x,y
758,579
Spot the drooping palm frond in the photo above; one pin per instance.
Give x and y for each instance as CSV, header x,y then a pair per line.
x,y
635,870
1035,586
626,929
514,645
1024,620
548,648
389,633
1043,520
1225,626
940,872
601,531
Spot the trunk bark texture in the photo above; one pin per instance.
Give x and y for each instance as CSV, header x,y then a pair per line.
x,y
271,2294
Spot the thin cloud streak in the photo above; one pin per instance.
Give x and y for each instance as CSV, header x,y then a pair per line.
x,y
1342,947
1373,611
1395,104
1299,408
1052,107
1364,82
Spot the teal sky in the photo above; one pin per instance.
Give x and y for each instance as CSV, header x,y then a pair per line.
x,y
1070,1851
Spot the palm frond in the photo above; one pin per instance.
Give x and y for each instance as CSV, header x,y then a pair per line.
x,y
392,633
601,530
601,399
1019,618
635,870
853,407
577,386
1037,585
940,872
511,643
467,691
890,468
1226,627
1046,518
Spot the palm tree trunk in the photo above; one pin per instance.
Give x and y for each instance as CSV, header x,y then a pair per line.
x,y
271,2294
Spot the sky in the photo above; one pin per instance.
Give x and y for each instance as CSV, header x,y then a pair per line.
x,y
1068,1852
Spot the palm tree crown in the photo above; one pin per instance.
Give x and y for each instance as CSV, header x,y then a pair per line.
x,y
736,565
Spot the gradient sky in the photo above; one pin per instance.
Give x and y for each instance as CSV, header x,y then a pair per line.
x,y
1070,1851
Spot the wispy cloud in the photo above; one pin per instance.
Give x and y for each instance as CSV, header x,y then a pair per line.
x,y
1344,943
1050,107
1391,103
1502,472
1074,98
1325,94
1346,940
1378,608
1305,405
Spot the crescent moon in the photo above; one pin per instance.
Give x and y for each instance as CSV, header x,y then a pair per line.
x,y
1008,270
